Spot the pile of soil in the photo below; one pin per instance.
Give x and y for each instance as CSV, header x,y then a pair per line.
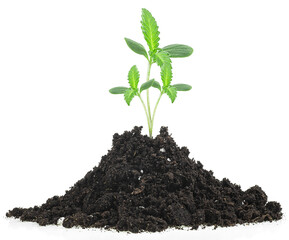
x,y
145,184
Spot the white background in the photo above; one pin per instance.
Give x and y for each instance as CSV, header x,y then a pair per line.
x,y
59,58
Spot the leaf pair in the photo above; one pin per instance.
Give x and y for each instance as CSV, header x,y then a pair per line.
x,y
164,62
172,90
151,33
173,50
129,93
133,79
150,83
162,59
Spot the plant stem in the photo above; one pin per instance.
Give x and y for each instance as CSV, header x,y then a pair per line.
x,y
154,113
148,98
144,106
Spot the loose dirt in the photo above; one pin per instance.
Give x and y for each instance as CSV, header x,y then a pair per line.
x,y
145,184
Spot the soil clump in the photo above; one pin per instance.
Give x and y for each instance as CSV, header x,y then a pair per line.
x,y
145,184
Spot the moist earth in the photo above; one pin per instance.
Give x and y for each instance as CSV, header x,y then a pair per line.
x,y
145,184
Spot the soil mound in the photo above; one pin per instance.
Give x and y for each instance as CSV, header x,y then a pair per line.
x,y
145,184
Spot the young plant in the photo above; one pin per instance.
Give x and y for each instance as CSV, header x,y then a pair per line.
x,y
160,56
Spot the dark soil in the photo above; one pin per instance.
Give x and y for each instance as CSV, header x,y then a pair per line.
x,y
145,184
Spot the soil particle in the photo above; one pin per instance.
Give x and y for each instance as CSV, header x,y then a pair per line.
x,y
145,184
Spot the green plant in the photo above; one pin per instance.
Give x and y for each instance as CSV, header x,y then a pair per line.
x,y
160,56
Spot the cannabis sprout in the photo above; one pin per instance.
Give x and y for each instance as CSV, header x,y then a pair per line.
x,y
160,56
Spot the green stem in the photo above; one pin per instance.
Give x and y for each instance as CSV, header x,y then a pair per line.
x,y
144,106
154,113
148,97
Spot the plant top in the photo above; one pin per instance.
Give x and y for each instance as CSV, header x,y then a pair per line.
x,y
160,56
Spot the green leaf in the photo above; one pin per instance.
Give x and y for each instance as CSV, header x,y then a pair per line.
x,y
178,50
182,87
150,83
171,92
157,85
118,90
128,95
147,85
166,74
136,47
162,57
150,30
133,77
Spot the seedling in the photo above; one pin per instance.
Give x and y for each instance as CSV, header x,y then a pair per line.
x,y
160,56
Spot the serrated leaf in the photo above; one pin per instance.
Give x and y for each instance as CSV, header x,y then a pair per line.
x,y
133,77
150,30
157,85
136,47
118,90
171,92
128,95
147,85
182,87
161,58
178,50
166,74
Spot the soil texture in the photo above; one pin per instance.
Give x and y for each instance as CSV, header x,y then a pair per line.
x,y
145,184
